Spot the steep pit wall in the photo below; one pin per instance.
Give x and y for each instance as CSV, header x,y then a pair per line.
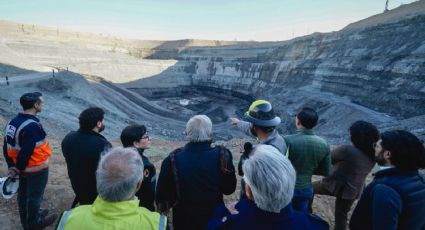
x,y
379,67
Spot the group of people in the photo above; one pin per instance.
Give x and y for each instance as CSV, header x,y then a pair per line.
x,y
118,188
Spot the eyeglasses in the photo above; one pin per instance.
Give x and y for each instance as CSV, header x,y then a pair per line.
x,y
146,137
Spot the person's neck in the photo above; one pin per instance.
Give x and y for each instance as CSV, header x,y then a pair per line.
x,y
300,127
139,150
30,112
263,136
386,165
95,129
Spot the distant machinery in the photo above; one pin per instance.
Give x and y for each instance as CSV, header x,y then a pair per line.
x,y
386,6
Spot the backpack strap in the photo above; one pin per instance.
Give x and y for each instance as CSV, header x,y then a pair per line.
x,y
225,157
175,173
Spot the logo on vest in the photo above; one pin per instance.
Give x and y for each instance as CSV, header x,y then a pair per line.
x,y
10,131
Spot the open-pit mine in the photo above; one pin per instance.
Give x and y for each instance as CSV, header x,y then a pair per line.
x,y
372,70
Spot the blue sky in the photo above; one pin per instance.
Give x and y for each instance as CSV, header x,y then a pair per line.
x,y
199,19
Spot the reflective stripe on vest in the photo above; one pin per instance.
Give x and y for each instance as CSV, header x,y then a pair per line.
x,y
25,123
63,220
162,222
287,152
18,148
38,167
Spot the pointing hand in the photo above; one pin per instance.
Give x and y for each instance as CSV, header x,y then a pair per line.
x,y
234,121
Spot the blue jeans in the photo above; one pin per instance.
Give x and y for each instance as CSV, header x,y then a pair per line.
x,y
30,195
302,198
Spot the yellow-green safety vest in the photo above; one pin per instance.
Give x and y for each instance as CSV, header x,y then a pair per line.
x,y
111,215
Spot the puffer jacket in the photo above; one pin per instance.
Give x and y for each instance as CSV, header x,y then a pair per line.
x,y
395,199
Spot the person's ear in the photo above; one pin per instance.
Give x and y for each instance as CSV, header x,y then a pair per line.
x,y
136,144
146,173
37,105
387,155
139,184
99,124
248,192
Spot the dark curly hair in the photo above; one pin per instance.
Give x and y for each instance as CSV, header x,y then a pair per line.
x,y
89,118
363,135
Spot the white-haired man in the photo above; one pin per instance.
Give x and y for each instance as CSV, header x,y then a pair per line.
x,y
194,178
118,177
269,186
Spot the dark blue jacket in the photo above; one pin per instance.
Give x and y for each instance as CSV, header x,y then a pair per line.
x,y
146,193
28,137
395,199
251,217
201,184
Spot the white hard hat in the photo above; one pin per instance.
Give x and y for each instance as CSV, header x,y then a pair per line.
x,y
8,186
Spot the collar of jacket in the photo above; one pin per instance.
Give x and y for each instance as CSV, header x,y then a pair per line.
x,y
199,145
305,131
270,137
114,210
395,171
91,132
246,205
139,150
28,116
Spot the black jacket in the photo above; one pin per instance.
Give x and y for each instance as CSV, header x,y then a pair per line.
x,y
146,193
82,150
201,184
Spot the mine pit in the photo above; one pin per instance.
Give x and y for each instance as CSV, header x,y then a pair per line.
x,y
186,102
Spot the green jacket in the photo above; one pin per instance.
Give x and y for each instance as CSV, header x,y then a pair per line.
x,y
111,215
310,155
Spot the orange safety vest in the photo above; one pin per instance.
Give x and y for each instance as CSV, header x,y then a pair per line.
x,y
39,160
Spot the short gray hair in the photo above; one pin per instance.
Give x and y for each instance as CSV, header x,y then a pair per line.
x,y
271,177
118,172
199,128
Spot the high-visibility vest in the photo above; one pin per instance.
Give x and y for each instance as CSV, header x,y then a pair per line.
x,y
111,215
39,159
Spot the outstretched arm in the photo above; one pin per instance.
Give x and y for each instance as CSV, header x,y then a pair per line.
x,y
242,126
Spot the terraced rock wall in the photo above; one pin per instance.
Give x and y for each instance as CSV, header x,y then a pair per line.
x,y
380,67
